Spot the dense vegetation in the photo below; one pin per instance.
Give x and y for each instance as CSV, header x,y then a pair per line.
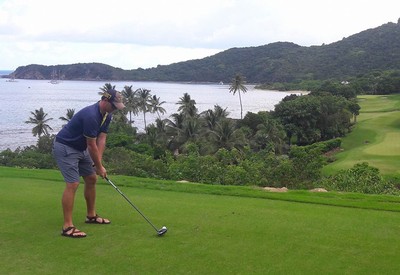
x,y
282,148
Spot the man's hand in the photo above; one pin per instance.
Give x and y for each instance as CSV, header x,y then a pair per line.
x,y
96,157
101,171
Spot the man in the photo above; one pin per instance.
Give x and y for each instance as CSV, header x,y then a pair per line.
x,y
78,149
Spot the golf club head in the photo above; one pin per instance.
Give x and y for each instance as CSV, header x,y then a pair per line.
x,y
162,231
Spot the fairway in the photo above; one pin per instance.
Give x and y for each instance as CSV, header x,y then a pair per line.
x,y
389,146
375,138
207,234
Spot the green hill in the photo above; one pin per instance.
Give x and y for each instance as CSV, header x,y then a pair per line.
x,y
376,49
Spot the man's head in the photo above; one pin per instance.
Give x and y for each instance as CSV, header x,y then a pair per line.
x,y
114,97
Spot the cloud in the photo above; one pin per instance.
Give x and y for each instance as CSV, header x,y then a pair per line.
x,y
131,34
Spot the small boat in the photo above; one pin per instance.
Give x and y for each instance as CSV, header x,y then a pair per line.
x,y
54,77
12,79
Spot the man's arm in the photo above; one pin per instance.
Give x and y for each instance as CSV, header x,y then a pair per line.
x,y
101,143
96,154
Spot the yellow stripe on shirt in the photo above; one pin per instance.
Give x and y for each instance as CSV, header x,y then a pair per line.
x,y
104,119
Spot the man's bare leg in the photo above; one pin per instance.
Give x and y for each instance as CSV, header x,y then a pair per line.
x,y
90,196
68,199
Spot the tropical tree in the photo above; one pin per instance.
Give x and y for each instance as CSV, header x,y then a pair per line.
x,y
174,128
155,106
143,102
40,121
224,134
212,117
187,105
301,115
68,116
335,117
175,123
271,134
185,125
151,135
130,101
161,127
191,129
106,87
354,108
238,86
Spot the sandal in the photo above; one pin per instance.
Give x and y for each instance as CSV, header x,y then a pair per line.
x,y
75,233
96,219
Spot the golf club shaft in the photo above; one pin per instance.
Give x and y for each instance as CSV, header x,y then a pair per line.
x,y
126,198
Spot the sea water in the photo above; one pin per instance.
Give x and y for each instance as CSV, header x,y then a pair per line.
x,y
21,97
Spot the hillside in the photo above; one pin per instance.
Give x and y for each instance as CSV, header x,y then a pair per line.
x,y
370,50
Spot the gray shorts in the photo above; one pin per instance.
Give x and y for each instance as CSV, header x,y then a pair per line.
x,y
72,163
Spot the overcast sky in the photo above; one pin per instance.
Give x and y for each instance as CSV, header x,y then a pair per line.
x,y
130,34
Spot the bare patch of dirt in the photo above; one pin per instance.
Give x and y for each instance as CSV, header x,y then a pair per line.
x,y
318,190
273,189
284,189
333,152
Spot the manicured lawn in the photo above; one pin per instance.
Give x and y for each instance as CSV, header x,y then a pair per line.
x,y
212,230
375,139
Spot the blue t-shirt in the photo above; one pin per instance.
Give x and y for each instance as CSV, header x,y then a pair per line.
x,y
87,123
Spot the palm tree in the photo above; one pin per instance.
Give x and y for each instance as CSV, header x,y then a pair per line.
x,y
131,103
238,86
143,102
156,134
212,117
176,122
155,106
39,119
161,126
270,134
188,105
106,87
174,127
68,116
151,135
224,134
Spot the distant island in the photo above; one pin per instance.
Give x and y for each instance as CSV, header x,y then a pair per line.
x,y
376,49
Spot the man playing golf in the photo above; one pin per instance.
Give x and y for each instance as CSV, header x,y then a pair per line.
x,y
78,150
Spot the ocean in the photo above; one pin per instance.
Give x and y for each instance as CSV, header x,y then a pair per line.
x,y
5,72
21,97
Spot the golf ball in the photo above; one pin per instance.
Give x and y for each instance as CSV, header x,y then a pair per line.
x,y
163,227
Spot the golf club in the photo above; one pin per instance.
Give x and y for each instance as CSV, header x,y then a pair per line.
x,y
160,232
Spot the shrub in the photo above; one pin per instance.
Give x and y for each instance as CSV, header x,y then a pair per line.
x,y
119,140
33,159
326,146
45,144
361,178
7,157
235,175
306,166
196,168
122,161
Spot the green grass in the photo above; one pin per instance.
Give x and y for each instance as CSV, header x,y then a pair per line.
x,y
375,139
212,229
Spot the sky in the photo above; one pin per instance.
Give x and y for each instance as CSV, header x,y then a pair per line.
x,y
131,34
